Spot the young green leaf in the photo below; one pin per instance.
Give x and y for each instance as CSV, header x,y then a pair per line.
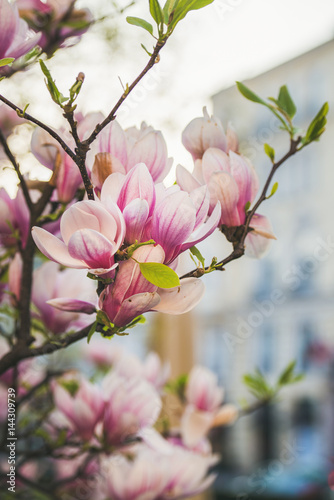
x,y
285,102
156,12
194,250
273,190
247,206
249,94
72,386
288,375
159,274
183,7
91,331
137,21
6,61
57,96
147,52
168,9
269,152
317,126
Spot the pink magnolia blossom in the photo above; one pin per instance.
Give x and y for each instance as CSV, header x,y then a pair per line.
x,y
49,283
131,404
204,406
131,294
203,133
176,473
57,20
15,37
14,216
233,182
127,148
91,235
83,410
173,218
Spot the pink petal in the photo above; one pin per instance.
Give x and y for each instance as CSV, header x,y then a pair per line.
x,y
214,160
201,200
55,249
91,247
181,299
223,188
205,230
138,184
257,242
112,187
185,179
135,215
72,305
195,424
134,306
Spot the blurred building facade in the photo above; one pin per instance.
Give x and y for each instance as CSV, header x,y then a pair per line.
x,y
266,313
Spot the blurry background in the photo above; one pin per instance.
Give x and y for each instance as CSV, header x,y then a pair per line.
x,y
257,313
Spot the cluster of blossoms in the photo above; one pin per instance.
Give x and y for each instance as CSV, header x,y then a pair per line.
x,y
134,218
119,416
49,24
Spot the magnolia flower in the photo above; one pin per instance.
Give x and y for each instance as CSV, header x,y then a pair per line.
x,y
91,235
83,410
203,133
15,37
130,405
233,182
116,150
175,473
131,294
204,406
173,218
14,276
57,20
148,146
52,286
14,216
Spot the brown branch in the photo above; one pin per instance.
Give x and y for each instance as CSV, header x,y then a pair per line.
x,y
21,351
112,115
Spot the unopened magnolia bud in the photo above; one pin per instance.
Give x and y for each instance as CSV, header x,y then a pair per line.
x,y
80,77
227,415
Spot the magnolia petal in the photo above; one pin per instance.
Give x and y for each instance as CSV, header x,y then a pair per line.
x,y
138,183
105,164
195,424
72,305
223,188
186,180
242,175
91,247
205,230
134,306
201,200
135,215
181,299
111,188
257,242
55,249
214,160
226,415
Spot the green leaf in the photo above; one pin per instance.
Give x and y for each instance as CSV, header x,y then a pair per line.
x,y
194,250
288,376
147,52
317,126
285,102
159,274
269,152
56,95
273,190
183,7
6,61
249,94
137,21
247,206
156,12
91,331
168,10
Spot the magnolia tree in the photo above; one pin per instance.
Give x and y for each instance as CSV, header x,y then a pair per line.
x,y
88,252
